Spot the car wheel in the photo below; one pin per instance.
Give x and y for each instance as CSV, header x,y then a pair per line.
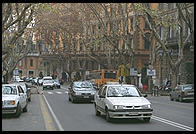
x,y
171,98
25,109
18,111
108,119
180,98
96,111
29,99
146,119
69,99
72,99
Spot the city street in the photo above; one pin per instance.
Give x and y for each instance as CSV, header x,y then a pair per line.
x,y
51,111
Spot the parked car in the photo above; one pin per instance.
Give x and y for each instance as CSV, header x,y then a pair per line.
x,y
57,84
16,79
182,93
13,99
81,90
48,84
26,89
40,81
122,101
35,81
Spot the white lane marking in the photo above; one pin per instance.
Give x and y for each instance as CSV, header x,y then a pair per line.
x,y
59,92
55,118
173,123
50,92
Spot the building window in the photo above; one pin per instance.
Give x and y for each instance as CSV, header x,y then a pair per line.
x,y
161,33
20,63
146,25
31,62
146,44
170,6
31,73
160,6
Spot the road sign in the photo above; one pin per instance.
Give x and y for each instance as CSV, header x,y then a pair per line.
x,y
151,72
133,72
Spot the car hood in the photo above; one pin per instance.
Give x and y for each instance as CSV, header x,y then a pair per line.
x,y
9,97
128,101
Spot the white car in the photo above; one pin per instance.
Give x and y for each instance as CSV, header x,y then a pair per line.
x,y
122,101
48,84
14,100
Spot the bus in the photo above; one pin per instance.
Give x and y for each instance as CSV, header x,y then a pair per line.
x,y
103,76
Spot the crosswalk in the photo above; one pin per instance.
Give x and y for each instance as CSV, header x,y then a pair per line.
x,y
56,92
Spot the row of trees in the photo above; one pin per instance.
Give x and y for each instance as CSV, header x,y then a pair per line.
x,y
65,23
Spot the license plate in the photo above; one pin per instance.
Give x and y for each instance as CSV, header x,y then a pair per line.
x,y
86,96
133,113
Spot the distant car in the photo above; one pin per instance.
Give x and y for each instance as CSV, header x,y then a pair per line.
x,y
95,86
122,101
13,99
40,81
16,79
48,84
182,93
81,90
57,84
35,81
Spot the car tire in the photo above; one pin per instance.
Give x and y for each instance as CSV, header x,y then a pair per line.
x,y
18,110
25,109
108,118
29,99
72,99
97,113
171,98
146,119
180,98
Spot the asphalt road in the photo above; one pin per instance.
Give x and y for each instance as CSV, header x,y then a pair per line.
x,y
53,112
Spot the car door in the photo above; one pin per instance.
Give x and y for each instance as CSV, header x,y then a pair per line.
x,y
97,98
22,97
102,99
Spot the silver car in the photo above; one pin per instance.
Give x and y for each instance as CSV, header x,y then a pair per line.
x,y
182,93
122,101
81,90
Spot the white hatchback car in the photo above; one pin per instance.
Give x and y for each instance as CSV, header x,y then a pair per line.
x,y
122,101
14,100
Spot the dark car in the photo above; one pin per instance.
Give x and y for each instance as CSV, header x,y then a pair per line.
x,y
81,90
182,93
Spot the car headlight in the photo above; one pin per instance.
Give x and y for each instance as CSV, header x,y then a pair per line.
x,y
118,107
10,102
146,106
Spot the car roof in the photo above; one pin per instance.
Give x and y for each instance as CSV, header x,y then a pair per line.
x,y
120,85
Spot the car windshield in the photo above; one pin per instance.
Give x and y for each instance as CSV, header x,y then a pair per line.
x,y
82,85
48,81
188,87
125,91
9,90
